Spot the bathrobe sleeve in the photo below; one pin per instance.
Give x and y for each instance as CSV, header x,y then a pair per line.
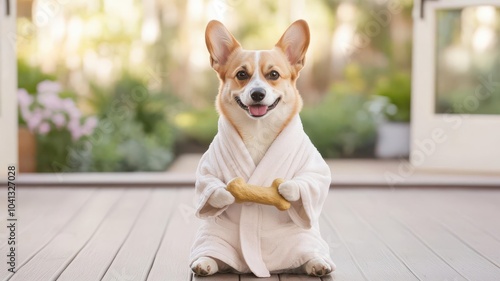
x,y
313,180
208,179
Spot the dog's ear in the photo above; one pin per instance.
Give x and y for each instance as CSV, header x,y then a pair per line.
x,y
220,43
294,43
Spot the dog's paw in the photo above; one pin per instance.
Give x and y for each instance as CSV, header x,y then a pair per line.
x,y
318,267
289,190
220,198
204,266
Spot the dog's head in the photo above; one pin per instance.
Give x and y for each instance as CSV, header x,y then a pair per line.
x,y
256,84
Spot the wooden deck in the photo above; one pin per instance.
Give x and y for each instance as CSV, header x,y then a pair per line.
x,y
125,234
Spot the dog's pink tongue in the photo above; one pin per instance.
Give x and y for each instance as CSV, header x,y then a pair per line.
x,y
258,110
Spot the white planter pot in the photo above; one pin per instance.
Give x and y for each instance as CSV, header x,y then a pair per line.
x,y
393,140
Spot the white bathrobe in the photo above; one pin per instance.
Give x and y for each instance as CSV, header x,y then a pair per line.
x,y
257,238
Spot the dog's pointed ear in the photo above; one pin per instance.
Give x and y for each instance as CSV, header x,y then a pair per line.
x,y
294,43
220,43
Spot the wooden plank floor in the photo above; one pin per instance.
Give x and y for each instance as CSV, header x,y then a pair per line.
x,y
130,234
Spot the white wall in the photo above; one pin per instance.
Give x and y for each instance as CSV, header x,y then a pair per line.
x,y
8,88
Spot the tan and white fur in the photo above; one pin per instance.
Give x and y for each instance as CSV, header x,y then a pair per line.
x,y
258,95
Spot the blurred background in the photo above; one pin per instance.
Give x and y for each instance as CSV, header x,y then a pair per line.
x,y
126,85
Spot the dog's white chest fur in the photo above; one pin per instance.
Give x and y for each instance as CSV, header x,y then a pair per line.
x,y
258,137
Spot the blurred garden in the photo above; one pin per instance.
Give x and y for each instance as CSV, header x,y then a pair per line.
x,y
127,86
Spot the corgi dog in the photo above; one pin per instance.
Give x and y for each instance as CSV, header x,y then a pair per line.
x,y
258,96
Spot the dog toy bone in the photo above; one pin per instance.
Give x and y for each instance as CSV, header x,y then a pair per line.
x,y
244,192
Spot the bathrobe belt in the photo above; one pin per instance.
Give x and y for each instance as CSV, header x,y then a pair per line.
x,y
250,223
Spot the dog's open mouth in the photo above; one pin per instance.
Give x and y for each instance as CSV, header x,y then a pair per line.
x,y
257,110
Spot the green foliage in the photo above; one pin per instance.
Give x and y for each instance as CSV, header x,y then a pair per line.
x,y
467,100
199,125
134,132
341,125
397,89
29,77
121,144
131,94
52,150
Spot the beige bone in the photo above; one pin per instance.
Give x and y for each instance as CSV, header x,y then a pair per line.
x,y
244,192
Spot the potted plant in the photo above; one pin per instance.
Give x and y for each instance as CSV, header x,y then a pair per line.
x,y
49,125
393,130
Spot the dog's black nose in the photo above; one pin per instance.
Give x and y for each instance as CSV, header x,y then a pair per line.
x,y
258,94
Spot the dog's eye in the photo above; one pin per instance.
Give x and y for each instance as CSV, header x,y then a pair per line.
x,y
273,75
242,75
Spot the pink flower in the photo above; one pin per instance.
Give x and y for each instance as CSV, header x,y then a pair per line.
x,y
34,119
59,120
69,106
73,124
50,100
44,128
89,125
76,133
46,113
24,98
48,87
75,129
25,113
75,114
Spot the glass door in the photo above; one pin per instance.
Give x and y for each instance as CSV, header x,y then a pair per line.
x,y
467,55
456,86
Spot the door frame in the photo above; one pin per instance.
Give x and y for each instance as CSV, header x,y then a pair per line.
x,y
8,87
